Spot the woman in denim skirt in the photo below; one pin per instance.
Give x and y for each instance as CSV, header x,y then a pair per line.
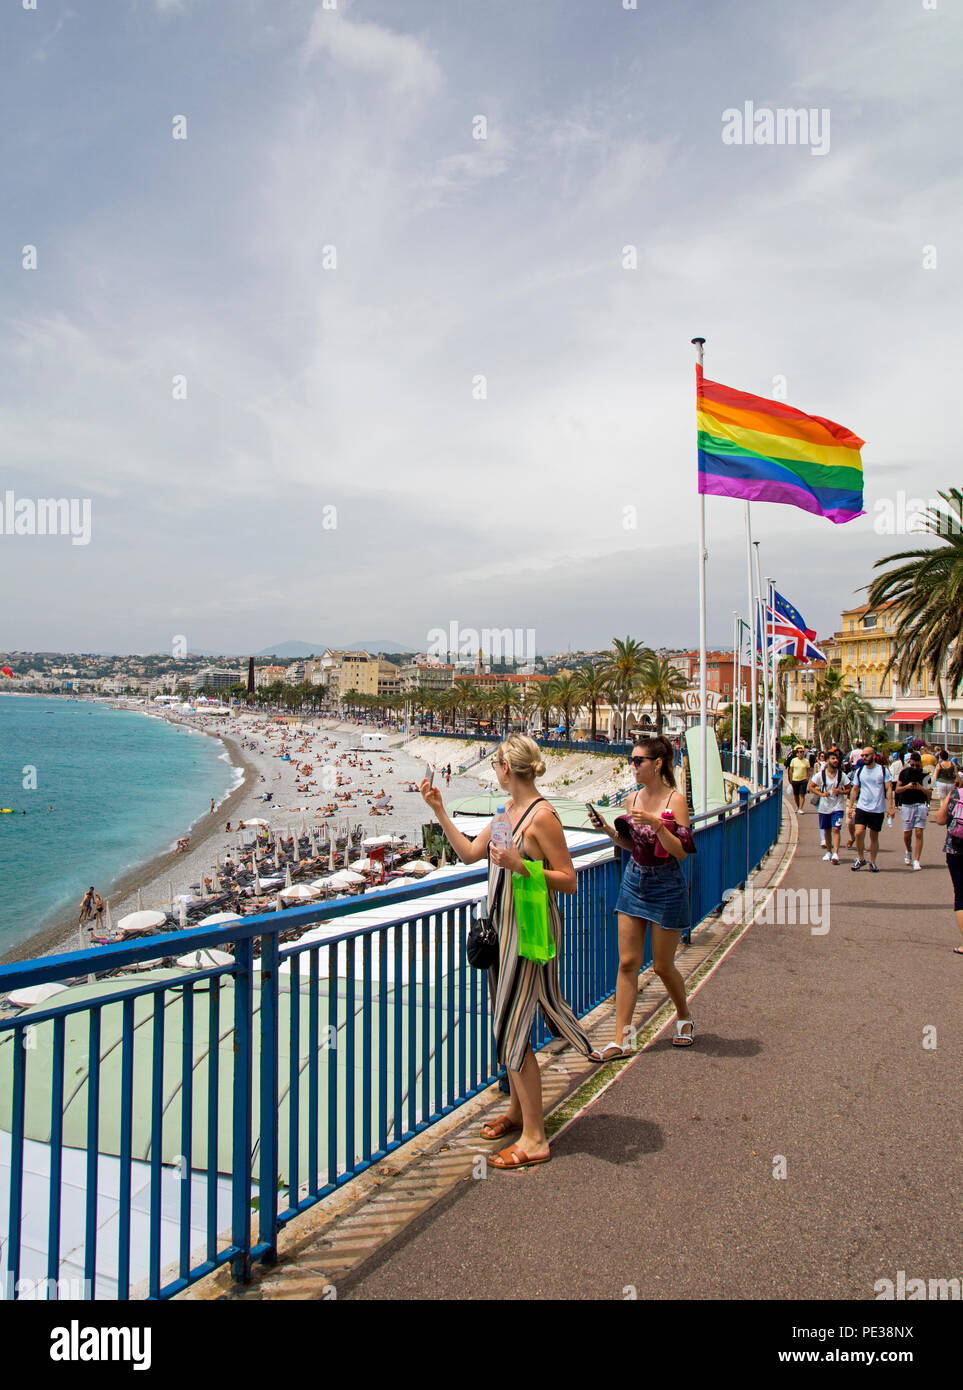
x,y
653,889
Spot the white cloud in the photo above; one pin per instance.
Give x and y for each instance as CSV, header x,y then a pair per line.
x,y
359,46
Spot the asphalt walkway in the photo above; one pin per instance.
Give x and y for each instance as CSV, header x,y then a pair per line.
x,y
833,1057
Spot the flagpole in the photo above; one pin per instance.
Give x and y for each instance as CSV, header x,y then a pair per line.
x,y
699,344
753,643
764,630
734,722
774,752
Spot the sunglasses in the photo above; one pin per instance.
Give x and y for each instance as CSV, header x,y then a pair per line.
x,y
637,762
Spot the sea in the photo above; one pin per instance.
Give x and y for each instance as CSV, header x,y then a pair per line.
x,y
94,792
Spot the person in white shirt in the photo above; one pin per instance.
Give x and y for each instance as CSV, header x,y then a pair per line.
x,y
872,797
830,784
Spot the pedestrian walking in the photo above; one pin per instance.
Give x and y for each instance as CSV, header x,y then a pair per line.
x,y
656,830
946,775
516,983
800,771
870,797
950,814
912,797
830,784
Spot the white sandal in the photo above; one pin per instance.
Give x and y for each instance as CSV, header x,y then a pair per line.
x,y
600,1055
683,1039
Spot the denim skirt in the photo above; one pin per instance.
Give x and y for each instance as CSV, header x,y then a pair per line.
x,y
659,894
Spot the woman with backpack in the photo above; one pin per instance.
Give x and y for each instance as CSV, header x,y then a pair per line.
x,y
950,814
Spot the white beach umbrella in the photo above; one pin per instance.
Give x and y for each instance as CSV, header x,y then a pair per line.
x,y
140,902
182,912
287,876
216,917
170,895
299,893
204,959
34,994
297,850
140,921
418,866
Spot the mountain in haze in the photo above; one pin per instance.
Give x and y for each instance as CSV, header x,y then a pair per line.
x,y
293,650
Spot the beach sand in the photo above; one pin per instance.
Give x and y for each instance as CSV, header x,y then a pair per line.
x,y
209,839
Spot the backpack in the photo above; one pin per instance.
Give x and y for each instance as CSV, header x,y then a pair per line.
x,y
954,830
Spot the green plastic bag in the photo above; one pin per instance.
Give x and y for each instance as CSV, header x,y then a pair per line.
x,y
535,939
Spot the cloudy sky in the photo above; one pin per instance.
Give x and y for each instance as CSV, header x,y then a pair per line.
x,y
422,386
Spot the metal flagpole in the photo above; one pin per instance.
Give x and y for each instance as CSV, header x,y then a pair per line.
x,y
774,752
764,631
753,664
699,344
737,672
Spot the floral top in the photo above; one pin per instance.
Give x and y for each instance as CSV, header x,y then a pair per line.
x,y
644,840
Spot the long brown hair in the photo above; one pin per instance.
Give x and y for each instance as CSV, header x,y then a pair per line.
x,y
659,747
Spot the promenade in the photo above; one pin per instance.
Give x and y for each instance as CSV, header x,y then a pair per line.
x,y
809,1060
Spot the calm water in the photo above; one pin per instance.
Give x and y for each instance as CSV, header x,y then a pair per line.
x,y
123,787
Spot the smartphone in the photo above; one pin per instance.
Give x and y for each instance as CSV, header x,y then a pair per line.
x,y
430,774
594,816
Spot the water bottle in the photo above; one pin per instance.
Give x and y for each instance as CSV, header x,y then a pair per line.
x,y
668,820
501,830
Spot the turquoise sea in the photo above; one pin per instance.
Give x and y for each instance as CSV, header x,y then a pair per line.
x,y
122,788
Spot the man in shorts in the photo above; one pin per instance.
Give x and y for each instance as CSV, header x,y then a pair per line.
x,y
913,797
830,783
872,798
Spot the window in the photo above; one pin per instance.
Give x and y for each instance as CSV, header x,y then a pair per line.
x,y
873,686
849,657
870,620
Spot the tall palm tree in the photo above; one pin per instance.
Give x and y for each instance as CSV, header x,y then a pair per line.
x,y
849,719
592,686
624,664
927,592
661,685
827,690
565,692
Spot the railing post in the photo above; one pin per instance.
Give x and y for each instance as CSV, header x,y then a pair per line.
x,y
268,1175
744,800
243,1101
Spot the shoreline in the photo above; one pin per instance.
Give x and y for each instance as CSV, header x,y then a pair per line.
x,y
62,936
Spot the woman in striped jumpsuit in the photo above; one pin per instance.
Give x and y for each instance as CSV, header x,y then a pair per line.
x,y
517,985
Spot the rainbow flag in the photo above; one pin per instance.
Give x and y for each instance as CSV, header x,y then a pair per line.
x,y
764,451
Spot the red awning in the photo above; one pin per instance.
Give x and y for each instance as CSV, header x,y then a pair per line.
x,y
919,718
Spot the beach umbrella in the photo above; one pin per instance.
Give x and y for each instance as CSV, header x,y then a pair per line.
x,y
170,895
141,921
297,849
257,881
140,902
331,853
34,994
216,917
204,959
299,893
108,921
419,866
182,912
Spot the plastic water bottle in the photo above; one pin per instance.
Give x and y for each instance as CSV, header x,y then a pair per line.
x,y
501,829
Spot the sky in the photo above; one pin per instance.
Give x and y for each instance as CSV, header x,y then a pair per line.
x,y
361,353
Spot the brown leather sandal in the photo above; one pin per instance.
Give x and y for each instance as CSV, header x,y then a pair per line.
x,y
514,1157
498,1128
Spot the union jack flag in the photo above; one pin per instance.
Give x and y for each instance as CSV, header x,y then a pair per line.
x,y
787,632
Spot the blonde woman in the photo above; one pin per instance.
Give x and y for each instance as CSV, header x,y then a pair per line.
x,y
517,985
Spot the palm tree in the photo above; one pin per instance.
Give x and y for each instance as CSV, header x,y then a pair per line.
x,y
661,685
592,686
828,689
849,719
565,692
623,666
927,594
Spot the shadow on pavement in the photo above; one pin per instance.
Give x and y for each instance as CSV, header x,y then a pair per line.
x,y
713,1045
615,1138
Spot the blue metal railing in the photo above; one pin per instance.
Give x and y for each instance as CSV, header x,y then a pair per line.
x,y
257,1088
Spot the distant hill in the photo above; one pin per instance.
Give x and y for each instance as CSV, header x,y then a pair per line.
x,y
299,649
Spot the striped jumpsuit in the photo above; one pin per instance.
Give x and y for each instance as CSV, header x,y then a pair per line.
x,y
516,984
